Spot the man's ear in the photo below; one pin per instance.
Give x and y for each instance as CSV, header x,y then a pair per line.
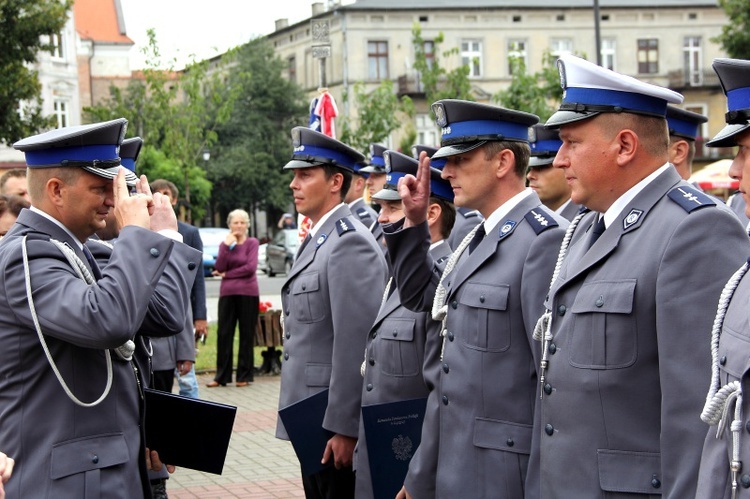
x,y
433,213
627,146
678,151
506,162
337,182
54,190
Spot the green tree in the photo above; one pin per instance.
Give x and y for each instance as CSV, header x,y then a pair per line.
x,y
437,82
735,35
176,114
538,93
255,142
379,113
22,25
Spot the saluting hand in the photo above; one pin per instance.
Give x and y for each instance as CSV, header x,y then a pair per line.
x,y
415,192
6,469
130,210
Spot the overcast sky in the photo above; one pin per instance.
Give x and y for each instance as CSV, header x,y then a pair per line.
x,y
204,27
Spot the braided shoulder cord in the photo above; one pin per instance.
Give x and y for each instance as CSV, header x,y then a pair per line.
x,y
84,274
439,307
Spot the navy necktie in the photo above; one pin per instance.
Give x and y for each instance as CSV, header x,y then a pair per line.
x,y
597,230
478,236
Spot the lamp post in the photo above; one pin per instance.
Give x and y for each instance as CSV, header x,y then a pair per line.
x,y
206,157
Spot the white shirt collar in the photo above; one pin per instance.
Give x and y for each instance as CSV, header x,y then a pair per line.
x,y
614,211
58,223
314,228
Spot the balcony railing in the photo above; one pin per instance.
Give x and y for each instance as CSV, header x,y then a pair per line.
x,y
680,79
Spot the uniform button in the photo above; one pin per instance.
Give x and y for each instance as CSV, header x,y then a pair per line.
x,y
372,362
451,336
395,333
547,388
723,360
510,442
745,481
599,302
374,334
454,304
481,299
286,355
552,348
288,290
288,335
446,368
747,426
95,460
154,252
286,311
561,310
304,287
655,482
369,387
191,266
549,429
445,399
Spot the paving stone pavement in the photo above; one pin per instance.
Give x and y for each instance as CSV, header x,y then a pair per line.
x,y
258,465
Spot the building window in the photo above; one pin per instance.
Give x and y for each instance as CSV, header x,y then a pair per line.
x,y
61,112
693,61
517,51
648,56
471,55
426,131
57,45
608,53
561,46
292,68
428,48
377,60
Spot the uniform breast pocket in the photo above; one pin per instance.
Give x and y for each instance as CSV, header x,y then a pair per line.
x,y
397,349
482,316
307,300
603,335
78,464
733,360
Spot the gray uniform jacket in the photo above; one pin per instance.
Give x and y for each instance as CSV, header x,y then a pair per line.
x,y
63,449
570,211
737,204
329,300
628,358
714,479
465,221
402,360
486,396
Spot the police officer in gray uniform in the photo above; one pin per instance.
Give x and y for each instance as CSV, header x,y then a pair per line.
x,y
328,310
487,299
403,347
549,183
69,394
684,128
725,463
624,337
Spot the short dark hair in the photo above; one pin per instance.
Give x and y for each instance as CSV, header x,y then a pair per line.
x,y
160,183
331,170
12,173
521,152
12,204
447,217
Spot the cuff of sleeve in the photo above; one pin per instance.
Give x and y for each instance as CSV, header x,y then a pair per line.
x,y
171,234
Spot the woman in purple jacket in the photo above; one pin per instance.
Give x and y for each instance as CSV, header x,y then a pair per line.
x,y
238,300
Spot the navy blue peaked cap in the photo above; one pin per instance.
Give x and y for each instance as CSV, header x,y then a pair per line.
x,y
438,163
734,75
467,125
313,148
129,151
545,142
399,165
375,161
94,147
683,123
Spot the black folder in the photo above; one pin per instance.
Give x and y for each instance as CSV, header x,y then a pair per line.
x,y
393,432
303,422
171,430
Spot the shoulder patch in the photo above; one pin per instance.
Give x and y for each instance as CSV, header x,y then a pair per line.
x,y
689,198
343,225
363,214
540,220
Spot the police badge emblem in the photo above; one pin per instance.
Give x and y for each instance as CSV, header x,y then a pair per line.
x,y
440,117
631,219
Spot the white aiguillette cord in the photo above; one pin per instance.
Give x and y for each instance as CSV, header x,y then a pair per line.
x,y
84,274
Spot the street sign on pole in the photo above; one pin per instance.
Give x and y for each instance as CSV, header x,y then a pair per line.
x,y
321,51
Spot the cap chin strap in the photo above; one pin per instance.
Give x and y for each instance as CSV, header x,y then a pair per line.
x,y
125,351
